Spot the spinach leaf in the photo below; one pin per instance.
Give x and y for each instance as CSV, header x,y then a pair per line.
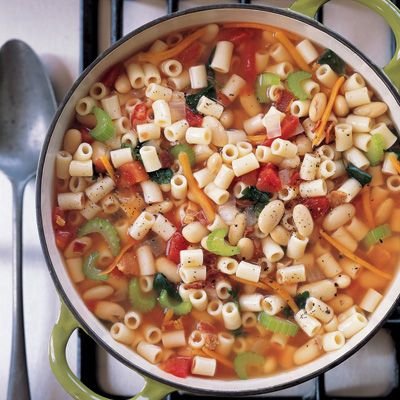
x,y
162,175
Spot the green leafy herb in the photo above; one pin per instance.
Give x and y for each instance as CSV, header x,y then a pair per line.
x,y
361,176
135,150
238,332
261,199
333,60
162,283
294,84
162,175
234,293
193,99
300,299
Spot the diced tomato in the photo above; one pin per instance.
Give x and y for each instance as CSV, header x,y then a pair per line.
x,y
139,114
193,119
248,62
128,264
91,304
284,100
288,126
58,215
117,274
174,247
295,178
131,173
250,178
111,75
268,179
63,237
318,206
205,327
222,99
191,55
236,35
178,365
86,136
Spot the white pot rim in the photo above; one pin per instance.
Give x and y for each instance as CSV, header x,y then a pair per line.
x,y
95,329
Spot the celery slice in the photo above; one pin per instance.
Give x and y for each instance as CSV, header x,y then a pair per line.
x,y
140,301
104,128
376,149
278,325
243,360
106,229
217,245
174,151
90,270
181,308
377,235
262,83
294,84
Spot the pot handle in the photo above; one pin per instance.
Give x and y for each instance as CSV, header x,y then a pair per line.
x,y
384,8
65,325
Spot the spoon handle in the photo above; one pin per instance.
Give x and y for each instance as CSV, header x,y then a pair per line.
x,y
18,385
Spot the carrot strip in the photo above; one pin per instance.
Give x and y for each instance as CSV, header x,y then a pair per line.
x,y
117,259
262,27
107,165
395,162
347,253
257,139
168,316
201,199
156,58
220,358
366,204
319,133
267,285
299,60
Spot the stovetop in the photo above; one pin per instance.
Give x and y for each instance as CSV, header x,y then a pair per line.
x,y
68,35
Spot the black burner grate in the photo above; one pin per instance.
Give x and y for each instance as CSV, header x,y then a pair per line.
x,y
87,347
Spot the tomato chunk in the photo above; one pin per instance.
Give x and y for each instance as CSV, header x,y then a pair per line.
x,y
288,126
139,114
193,119
191,55
318,206
63,237
268,179
111,75
131,173
236,35
174,247
250,178
179,366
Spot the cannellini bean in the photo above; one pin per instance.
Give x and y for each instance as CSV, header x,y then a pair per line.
x,y
317,106
270,216
372,110
303,220
338,216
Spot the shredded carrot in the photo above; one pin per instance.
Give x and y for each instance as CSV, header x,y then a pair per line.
x,y
366,205
267,285
319,133
299,60
347,253
201,199
156,58
262,27
257,139
109,168
395,162
168,316
117,259
220,358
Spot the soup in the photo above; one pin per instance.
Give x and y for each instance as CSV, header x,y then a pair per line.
x,y
227,201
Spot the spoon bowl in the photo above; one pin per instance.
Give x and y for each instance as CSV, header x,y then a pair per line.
x,y
27,106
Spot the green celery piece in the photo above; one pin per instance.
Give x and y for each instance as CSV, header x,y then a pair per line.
x,y
278,325
376,235
333,60
162,283
104,128
174,151
294,83
143,302
363,177
90,270
181,308
106,229
376,149
243,360
263,81
216,243
161,176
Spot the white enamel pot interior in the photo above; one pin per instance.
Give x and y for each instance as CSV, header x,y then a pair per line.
x,y
130,44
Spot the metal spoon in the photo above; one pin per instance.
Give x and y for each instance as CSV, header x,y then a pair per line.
x,y
27,105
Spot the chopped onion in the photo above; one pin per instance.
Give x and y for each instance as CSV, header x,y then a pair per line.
x,y
236,135
228,211
251,217
177,106
273,125
284,176
299,129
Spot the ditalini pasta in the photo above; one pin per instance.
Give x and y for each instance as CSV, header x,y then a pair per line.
x,y
217,206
